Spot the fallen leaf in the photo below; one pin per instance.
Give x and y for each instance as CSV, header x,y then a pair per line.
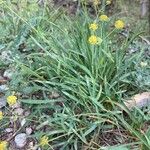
x,y
139,100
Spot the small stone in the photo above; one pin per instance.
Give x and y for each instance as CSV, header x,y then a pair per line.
x,y
2,102
23,121
19,111
28,131
8,130
8,73
21,140
31,145
54,95
3,88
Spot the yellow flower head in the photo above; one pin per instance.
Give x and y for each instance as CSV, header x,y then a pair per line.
x,y
119,24
3,145
104,18
93,26
1,115
143,64
44,141
96,2
108,2
11,100
94,40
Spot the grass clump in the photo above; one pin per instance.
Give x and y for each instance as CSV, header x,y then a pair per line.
x,y
85,61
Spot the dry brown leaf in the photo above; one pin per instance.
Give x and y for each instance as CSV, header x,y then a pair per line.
x,y
139,100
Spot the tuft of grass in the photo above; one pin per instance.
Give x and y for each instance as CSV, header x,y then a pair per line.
x,y
92,80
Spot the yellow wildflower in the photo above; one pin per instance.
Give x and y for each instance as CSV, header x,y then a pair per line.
x,y
93,26
44,141
108,2
143,64
3,145
1,115
11,100
94,40
96,2
104,18
119,24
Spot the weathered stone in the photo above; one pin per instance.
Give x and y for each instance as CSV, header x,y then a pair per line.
x,y
19,111
3,88
8,73
21,140
2,102
8,130
28,131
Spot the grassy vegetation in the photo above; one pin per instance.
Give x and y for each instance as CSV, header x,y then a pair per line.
x,y
75,90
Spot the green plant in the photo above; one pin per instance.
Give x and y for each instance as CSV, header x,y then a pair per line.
x,y
91,79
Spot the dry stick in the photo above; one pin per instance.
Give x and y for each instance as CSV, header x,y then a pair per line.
x,y
144,39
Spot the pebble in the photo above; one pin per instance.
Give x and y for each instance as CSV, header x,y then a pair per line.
x,y
8,73
54,95
19,111
21,140
8,130
28,131
3,88
23,122
2,102
31,145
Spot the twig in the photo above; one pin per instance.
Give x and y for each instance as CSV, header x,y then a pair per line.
x,y
144,39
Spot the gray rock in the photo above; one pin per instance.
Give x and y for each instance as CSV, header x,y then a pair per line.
x,y
8,130
19,111
2,102
21,140
3,88
28,131
31,145
23,122
54,95
8,73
